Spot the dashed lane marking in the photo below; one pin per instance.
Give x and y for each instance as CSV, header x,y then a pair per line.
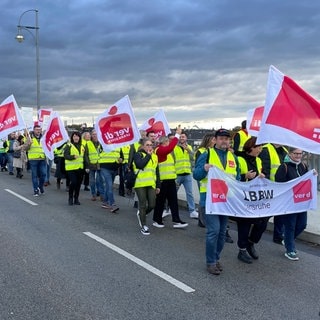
x,y
21,197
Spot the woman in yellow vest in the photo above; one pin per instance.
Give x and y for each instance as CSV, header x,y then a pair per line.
x,y
74,163
147,183
250,230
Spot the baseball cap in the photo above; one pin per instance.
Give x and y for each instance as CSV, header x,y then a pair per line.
x,y
222,133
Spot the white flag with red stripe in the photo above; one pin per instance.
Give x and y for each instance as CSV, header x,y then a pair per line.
x,y
291,116
10,117
117,126
158,123
54,136
254,117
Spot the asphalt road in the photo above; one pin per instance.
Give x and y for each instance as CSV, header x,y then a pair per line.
x,y
82,262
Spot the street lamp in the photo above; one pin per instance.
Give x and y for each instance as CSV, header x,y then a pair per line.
x,y
20,38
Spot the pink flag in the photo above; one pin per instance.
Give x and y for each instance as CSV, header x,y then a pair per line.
x,y
117,126
10,117
54,136
158,123
254,117
291,116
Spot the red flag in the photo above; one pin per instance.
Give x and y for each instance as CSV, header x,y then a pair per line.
x,y
55,135
10,117
291,116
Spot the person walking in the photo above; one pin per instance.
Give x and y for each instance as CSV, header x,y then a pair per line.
x,y
250,230
19,156
183,156
109,164
168,190
37,160
272,155
294,223
240,138
216,225
147,183
74,163
91,158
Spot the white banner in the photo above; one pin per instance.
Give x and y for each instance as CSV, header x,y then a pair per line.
x,y
259,197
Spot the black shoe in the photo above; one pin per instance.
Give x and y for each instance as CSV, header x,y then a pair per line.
x,y
244,257
11,173
278,241
86,188
76,201
252,251
70,202
200,224
228,237
135,205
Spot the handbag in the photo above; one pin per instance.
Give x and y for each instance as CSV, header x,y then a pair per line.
x,y
17,154
130,179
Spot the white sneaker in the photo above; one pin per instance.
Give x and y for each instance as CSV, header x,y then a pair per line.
x,y
166,213
158,225
145,231
179,225
194,214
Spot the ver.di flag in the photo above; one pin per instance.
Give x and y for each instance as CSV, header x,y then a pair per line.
x,y
54,136
259,197
254,117
291,116
10,117
158,123
117,126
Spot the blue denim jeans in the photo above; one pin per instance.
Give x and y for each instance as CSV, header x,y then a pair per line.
x,y
10,161
215,236
294,224
186,181
96,182
49,165
38,173
108,176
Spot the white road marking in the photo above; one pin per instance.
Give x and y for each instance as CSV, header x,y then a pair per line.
x,y
21,197
141,263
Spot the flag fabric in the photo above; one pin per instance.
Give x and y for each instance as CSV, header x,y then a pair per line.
x,y
259,197
44,114
254,117
10,117
158,123
54,136
117,126
291,116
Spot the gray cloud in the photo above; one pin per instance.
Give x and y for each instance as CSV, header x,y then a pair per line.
x,y
198,60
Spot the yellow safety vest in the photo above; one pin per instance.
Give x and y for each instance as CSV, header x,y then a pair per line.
x,y
182,160
147,176
231,166
93,153
36,151
109,157
167,169
244,166
243,138
77,163
125,151
274,160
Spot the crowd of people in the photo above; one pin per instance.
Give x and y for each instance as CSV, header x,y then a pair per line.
x,y
153,170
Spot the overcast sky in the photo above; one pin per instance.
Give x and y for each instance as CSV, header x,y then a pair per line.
x,y
201,61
